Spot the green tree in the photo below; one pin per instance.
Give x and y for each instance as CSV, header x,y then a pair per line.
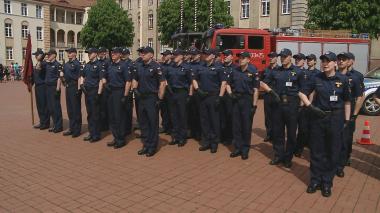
x,y
108,26
169,16
359,16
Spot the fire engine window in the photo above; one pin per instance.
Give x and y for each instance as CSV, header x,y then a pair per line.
x,y
256,42
224,42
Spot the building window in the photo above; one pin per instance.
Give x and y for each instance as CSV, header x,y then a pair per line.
x,y
150,21
228,7
61,55
150,42
150,2
38,11
244,9
265,7
80,55
286,6
129,4
79,18
24,31
138,3
24,9
7,6
39,33
121,3
8,30
9,53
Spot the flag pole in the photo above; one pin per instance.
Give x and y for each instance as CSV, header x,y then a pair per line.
x,y
32,105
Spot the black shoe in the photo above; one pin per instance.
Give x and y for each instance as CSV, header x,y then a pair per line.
x,y
288,164
213,149
75,135
204,148
93,140
275,161
87,138
235,154
118,145
142,151
51,130
348,162
244,156
44,127
111,143
38,126
312,188
340,173
173,142
326,191
298,154
67,133
57,130
150,153
267,139
181,143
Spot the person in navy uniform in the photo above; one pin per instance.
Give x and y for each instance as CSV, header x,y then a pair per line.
x,y
194,123
71,71
129,102
53,90
118,78
356,104
356,89
179,80
303,116
149,86
137,61
330,93
210,83
164,107
90,79
243,88
268,104
39,74
286,82
104,117
226,102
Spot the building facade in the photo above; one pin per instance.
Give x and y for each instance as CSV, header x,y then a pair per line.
x,y
51,24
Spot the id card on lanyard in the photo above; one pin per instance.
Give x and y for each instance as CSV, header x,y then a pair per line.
x,y
333,98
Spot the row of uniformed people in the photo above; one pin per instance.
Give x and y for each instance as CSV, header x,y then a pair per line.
x,y
210,80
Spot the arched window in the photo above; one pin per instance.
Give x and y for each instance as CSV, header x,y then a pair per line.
x,y
8,28
150,20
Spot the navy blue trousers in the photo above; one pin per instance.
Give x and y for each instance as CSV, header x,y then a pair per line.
x,y
54,106
41,103
93,112
73,105
325,146
242,123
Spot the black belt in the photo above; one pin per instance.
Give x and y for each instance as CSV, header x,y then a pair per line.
x,y
212,93
287,99
116,88
241,94
71,83
332,111
148,94
179,90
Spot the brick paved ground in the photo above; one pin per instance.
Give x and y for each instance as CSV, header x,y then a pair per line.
x,y
46,172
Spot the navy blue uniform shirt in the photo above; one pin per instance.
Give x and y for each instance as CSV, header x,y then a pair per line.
x,y
149,77
327,87
244,81
179,76
360,76
355,86
71,70
92,72
39,73
308,79
285,81
267,72
52,72
117,74
210,77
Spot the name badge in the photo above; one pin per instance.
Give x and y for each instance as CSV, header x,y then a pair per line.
x,y
289,84
333,98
